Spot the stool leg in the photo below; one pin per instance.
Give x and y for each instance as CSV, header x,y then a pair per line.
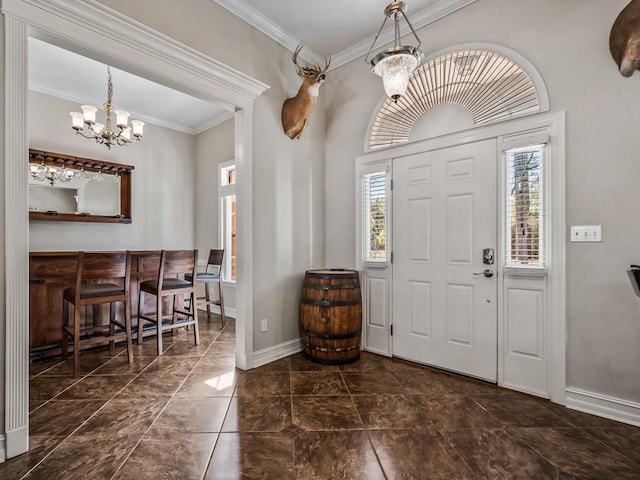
x,y
221,296
159,323
194,316
112,329
76,340
127,330
174,316
207,300
140,320
65,336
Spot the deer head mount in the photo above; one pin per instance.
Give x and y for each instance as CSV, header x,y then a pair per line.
x,y
624,40
296,110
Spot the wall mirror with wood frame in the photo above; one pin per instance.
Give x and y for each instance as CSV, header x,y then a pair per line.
x,y
75,189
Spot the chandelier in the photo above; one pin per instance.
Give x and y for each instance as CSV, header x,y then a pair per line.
x,y
396,64
56,175
105,134
50,174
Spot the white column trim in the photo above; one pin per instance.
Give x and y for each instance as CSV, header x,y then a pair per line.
x,y
244,225
16,238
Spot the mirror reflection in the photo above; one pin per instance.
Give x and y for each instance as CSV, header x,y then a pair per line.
x,y
68,188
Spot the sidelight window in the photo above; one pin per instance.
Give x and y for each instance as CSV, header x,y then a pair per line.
x,y
525,223
227,192
375,214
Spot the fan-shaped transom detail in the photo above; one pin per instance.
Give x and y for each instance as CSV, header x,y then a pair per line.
x,y
491,86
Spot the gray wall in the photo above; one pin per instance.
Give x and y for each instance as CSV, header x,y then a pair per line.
x,y
163,185
288,176
568,43
213,147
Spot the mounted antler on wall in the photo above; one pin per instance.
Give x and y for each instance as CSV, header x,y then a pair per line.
x,y
624,41
296,110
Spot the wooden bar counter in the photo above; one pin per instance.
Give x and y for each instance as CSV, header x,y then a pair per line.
x,y
51,272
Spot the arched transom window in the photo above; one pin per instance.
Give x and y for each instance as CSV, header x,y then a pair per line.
x,y
491,86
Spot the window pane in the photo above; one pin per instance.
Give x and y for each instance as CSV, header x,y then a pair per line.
x,y
375,217
229,236
525,220
228,175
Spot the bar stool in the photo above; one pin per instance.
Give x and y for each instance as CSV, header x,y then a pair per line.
x,y
175,265
207,278
93,266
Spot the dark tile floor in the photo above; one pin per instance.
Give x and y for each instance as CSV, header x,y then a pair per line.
x,y
190,415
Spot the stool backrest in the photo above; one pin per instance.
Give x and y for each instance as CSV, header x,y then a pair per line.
x,y
215,260
103,265
177,263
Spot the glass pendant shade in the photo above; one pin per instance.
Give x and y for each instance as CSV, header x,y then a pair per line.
x,y
89,114
137,126
395,70
396,64
122,118
77,120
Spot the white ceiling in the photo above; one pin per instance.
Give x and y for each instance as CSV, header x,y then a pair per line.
x,y
342,29
61,73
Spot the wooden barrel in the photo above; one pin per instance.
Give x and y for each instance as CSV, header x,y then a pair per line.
x,y
331,316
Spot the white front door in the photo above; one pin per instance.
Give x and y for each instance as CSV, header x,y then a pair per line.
x,y
444,215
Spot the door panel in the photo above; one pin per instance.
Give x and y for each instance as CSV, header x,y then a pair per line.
x,y
444,215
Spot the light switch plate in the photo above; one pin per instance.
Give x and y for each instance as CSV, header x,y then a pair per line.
x,y
586,233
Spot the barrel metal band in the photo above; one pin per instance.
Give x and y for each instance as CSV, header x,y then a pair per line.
x,y
331,287
329,276
330,303
332,336
329,349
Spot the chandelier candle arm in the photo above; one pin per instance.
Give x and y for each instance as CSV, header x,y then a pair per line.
x,y
104,133
396,64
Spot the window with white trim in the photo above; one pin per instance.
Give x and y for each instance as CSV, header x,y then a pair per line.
x,y
525,223
375,197
227,195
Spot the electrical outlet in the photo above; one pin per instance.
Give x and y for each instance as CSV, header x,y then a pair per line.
x,y
265,325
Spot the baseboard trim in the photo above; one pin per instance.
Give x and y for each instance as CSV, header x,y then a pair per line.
x,y
3,449
15,442
271,354
228,311
624,411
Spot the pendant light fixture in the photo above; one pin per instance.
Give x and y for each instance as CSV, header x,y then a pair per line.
x,y
396,64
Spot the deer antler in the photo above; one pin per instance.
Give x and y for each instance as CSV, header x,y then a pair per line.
x,y
315,67
295,59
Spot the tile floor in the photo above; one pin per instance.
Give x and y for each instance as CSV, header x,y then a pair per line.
x,y
190,415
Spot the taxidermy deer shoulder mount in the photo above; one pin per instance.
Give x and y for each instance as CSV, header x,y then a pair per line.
x,y
296,110
624,41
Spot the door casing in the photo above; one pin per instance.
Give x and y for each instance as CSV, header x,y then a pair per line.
x,y
554,125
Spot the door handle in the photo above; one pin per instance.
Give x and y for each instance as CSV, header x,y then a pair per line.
x,y
487,273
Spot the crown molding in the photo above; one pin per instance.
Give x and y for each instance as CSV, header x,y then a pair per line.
x,y
214,122
253,17
104,31
259,21
160,122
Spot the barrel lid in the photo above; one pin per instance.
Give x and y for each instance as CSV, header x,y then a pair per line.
x,y
332,271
